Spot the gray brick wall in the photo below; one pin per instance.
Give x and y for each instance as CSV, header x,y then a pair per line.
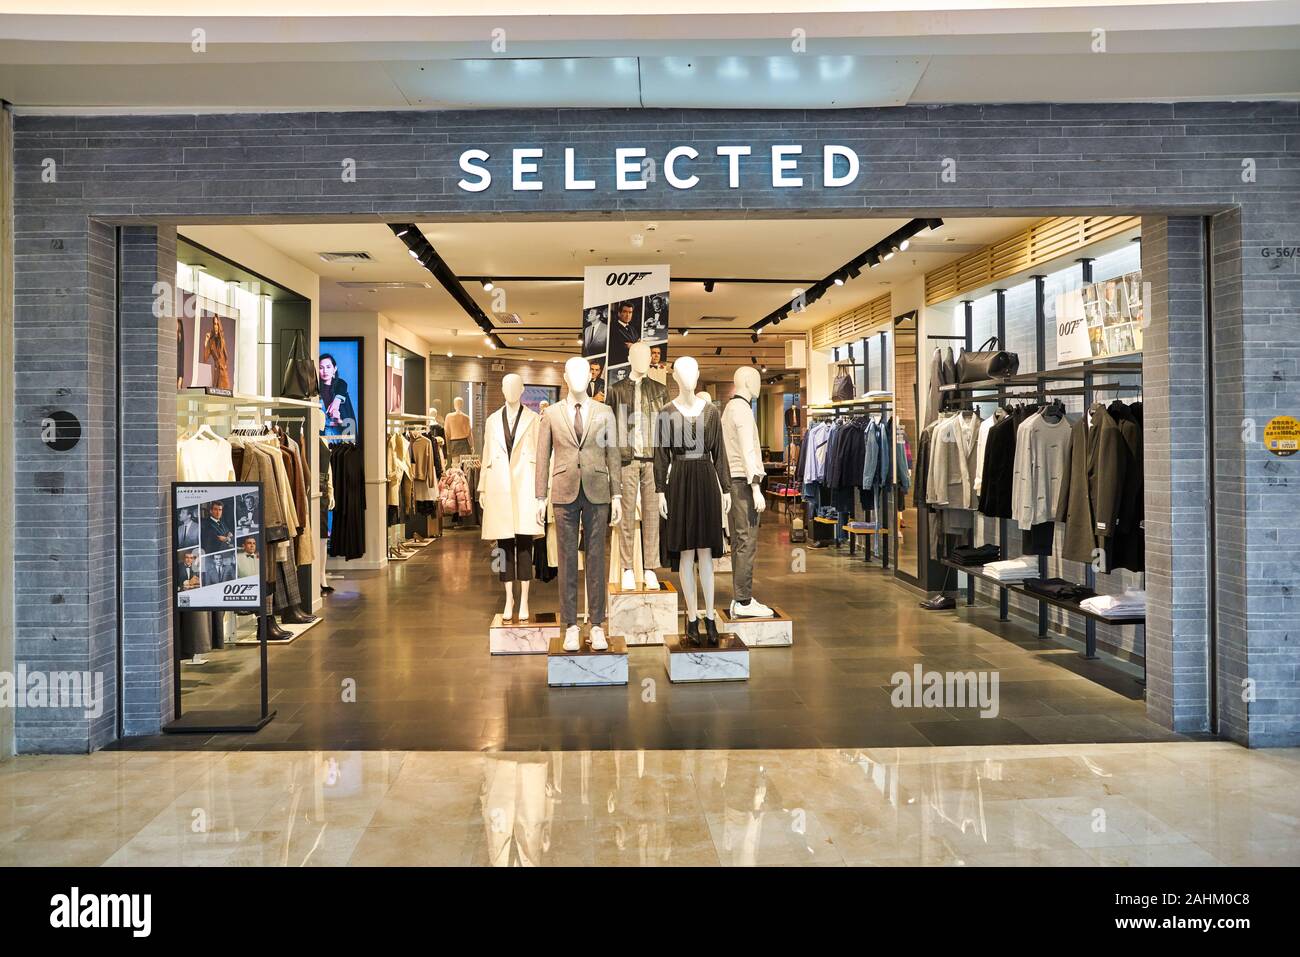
x,y
148,454
1149,159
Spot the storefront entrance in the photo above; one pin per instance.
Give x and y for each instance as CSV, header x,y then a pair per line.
x,y
123,622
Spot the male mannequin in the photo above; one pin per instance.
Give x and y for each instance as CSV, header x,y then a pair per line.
x,y
691,468
636,402
505,489
745,462
584,483
459,429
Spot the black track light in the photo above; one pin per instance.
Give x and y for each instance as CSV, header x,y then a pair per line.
x,y
718,350
854,272
754,337
708,285
488,285
753,360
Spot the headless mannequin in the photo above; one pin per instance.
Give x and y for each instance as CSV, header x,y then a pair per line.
x,y
748,387
638,356
577,376
458,425
512,387
686,373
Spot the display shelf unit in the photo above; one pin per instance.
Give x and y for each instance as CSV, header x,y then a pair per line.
x,y
198,399
974,572
1082,374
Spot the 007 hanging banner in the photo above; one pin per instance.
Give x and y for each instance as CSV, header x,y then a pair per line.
x,y
217,544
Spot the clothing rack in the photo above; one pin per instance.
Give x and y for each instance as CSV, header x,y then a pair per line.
x,y
1031,385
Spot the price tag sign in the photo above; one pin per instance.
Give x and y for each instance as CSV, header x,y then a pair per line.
x,y
218,561
1282,435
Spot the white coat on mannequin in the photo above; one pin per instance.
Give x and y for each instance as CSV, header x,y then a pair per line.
x,y
506,479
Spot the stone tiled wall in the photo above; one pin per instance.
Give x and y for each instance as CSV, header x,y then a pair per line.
x,y
1184,159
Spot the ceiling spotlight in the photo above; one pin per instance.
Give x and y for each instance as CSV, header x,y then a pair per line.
x,y
854,272
718,351
888,256
414,254
404,230
487,285
753,360
754,337
762,368
708,285
839,280
904,244
448,355
934,224
686,332
487,341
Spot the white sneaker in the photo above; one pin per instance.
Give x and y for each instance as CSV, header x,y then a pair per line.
x,y
629,580
651,581
598,642
571,640
751,609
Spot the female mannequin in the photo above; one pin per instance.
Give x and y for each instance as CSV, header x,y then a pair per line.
x,y
691,474
505,491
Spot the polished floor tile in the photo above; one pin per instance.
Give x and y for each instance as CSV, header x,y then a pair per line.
x,y
1134,804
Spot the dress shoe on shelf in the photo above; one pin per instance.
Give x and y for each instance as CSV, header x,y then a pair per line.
x,y
711,630
692,635
939,603
572,641
295,617
750,609
274,632
598,642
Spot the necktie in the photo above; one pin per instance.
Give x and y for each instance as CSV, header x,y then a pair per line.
x,y
577,422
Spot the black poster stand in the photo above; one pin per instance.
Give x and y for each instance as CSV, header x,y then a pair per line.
x,y
211,721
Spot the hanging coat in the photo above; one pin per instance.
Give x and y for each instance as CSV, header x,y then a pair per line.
x,y
507,479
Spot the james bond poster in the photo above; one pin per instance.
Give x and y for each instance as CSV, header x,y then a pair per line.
x,y
217,542
1100,320
622,305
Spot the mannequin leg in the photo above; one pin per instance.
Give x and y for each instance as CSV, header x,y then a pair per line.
x,y
705,559
509,611
523,600
686,568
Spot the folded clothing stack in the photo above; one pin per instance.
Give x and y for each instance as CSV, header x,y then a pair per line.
x,y
1013,570
974,554
861,526
1058,588
1131,604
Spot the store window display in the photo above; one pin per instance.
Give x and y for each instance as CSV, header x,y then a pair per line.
x,y
636,402
578,465
691,478
507,483
745,467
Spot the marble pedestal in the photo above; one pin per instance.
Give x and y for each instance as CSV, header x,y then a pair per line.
x,y
774,632
584,667
727,662
640,616
531,637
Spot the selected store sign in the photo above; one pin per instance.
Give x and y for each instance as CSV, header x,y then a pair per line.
x,y
840,166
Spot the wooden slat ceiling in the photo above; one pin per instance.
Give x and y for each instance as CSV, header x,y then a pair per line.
x,y
1040,243
854,324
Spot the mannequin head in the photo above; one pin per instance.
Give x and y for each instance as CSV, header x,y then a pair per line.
x,y
458,405
703,396
512,387
433,412
747,382
577,374
686,373
638,355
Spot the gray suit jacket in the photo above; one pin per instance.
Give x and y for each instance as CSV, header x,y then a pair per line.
x,y
622,394
565,465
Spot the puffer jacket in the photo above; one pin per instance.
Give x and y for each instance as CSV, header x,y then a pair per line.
x,y
453,493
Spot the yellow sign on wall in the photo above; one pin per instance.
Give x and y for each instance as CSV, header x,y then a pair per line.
x,y
1282,435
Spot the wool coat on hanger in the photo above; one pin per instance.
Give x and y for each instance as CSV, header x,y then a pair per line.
x,y
508,475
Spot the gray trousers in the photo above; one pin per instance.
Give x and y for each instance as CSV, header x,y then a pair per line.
x,y
639,483
744,539
595,533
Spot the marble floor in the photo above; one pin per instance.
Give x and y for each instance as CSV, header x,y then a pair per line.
x,y
1160,803
411,642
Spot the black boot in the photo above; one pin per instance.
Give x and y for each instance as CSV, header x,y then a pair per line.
x,y
711,630
692,636
274,632
306,615
327,589
294,616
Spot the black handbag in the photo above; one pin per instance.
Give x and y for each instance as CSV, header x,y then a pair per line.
x,y
300,380
843,389
985,363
